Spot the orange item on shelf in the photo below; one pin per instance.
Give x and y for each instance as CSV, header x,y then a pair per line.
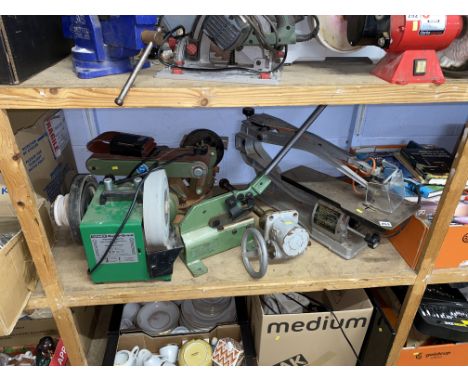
x,y
435,355
453,253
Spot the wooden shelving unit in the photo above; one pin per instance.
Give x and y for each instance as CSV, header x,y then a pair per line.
x,y
62,268
317,269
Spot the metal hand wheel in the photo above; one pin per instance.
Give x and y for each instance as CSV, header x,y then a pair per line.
x,y
260,252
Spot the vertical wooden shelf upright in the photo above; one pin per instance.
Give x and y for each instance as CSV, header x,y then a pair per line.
x,y
57,88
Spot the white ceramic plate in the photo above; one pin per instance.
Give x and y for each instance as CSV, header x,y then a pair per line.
x,y
194,319
158,317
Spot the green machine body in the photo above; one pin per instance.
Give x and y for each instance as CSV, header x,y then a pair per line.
x,y
128,259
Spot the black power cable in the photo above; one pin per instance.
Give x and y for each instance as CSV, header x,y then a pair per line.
x,y
221,69
319,305
330,309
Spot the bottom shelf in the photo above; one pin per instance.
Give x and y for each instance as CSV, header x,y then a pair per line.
x,y
317,269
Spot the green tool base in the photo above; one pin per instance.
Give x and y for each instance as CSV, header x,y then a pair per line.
x,y
99,279
197,268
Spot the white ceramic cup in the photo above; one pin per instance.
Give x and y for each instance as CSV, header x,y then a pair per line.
x,y
126,357
126,323
170,352
167,363
130,311
154,360
142,356
180,330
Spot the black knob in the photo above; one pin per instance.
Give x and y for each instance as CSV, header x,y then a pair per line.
x,y
373,240
225,184
248,111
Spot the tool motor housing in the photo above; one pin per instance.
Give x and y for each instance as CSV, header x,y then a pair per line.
x,y
410,41
128,259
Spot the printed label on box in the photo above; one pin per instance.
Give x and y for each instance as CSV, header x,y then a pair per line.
x,y
58,133
297,360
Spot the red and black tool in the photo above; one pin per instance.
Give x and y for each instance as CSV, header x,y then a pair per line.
x,y
411,42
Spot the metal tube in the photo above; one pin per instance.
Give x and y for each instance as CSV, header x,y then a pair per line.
x,y
131,79
318,110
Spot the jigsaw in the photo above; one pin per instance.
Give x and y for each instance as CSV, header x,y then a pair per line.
x,y
344,216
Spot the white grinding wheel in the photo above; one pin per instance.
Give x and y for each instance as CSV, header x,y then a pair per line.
x,y
333,34
156,209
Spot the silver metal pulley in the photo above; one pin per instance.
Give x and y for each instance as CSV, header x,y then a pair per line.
x,y
282,239
68,210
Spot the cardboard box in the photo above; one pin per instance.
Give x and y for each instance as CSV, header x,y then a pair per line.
x,y
454,250
312,338
454,354
18,279
128,340
18,275
452,254
44,143
421,351
27,333
29,44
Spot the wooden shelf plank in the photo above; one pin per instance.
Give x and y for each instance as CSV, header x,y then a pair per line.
x,y
318,269
455,275
38,299
333,83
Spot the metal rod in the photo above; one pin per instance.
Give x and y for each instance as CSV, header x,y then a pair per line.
x,y
318,110
131,79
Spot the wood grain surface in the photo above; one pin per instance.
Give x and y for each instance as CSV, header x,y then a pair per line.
x,y
331,83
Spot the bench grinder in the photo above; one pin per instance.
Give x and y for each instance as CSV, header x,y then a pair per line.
x,y
411,42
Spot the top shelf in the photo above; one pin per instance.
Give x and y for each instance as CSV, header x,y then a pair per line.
x,y
332,83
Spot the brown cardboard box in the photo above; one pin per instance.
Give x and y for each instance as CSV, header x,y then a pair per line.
x,y
453,252
44,143
312,338
128,340
27,332
18,276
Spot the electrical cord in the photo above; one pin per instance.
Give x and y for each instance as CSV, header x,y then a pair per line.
x,y
312,34
306,308
119,230
330,309
153,168
263,300
321,305
225,68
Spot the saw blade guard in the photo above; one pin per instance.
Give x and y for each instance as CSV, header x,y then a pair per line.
x,y
388,195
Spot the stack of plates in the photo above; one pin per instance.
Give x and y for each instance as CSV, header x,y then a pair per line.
x,y
158,317
205,314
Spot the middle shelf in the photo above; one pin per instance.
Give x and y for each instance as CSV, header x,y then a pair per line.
x,y
317,269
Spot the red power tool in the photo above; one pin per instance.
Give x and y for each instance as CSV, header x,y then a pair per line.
x,y
411,42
